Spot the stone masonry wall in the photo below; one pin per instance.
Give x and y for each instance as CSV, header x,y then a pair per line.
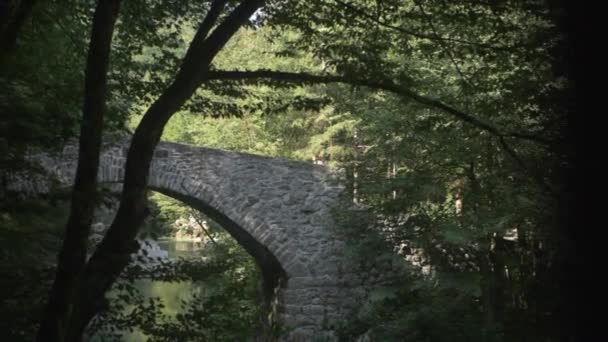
x,y
284,205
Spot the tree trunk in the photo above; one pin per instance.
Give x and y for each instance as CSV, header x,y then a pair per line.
x,y
113,253
487,302
499,280
72,257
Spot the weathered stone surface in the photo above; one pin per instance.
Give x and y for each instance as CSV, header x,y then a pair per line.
x,y
284,206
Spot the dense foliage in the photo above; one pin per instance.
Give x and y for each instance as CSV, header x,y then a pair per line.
x,y
445,117
29,240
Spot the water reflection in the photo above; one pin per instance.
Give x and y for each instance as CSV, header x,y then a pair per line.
x,y
178,248
172,294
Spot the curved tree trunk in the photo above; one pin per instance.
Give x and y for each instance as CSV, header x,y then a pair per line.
x,y
72,257
113,253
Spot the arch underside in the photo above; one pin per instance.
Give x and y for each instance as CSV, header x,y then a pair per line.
x,y
273,273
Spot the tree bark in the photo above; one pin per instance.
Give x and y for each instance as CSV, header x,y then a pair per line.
x,y
487,300
113,253
72,256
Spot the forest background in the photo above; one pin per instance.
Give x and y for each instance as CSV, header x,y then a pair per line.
x,y
448,119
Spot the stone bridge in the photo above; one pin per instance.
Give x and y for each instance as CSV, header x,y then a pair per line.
x,y
278,210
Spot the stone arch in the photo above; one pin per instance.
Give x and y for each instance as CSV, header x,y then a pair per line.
x,y
273,274
278,210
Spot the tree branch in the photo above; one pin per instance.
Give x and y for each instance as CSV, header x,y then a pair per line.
x,y
444,45
303,77
538,179
396,89
418,34
214,12
193,214
79,46
202,226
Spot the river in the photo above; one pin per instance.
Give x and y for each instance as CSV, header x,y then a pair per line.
x,y
172,294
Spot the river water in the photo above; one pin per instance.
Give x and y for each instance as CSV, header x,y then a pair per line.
x,y
176,249
172,294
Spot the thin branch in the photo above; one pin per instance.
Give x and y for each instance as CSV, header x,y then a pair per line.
x,y
418,34
196,219
303,77
529,137
538,179
200,224
79,45
444,46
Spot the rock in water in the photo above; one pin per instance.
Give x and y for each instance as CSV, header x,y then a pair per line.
x,y
149,254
